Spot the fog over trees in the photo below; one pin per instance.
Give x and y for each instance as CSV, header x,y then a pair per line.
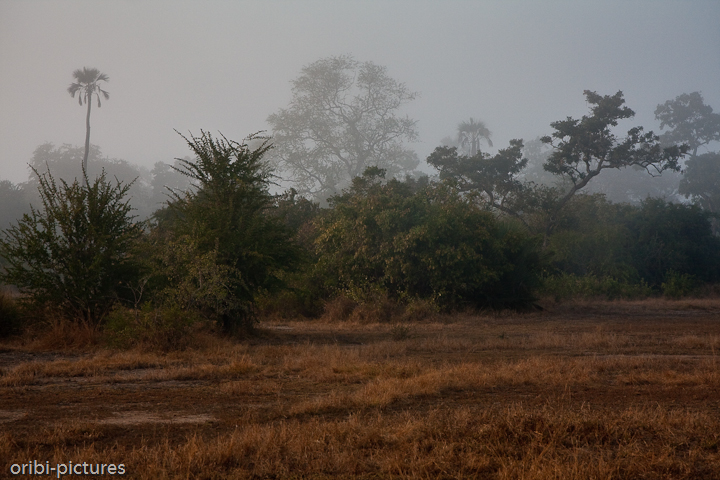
x,y
453,179
343,118
86,86
516,67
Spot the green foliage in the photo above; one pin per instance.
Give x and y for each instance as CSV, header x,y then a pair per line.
x,y
591,238
192,279
74,252
493,178
564,286
634,244
295,210
414,240
678,285
224,245
164,328
668,237
65,162
585,147
582,149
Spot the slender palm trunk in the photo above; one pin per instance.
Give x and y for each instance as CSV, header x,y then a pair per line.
x,y
87,140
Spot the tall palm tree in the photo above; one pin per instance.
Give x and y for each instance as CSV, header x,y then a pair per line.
x,y
86,85
470,133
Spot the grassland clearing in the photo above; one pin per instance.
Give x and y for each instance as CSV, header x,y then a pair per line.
x,y
580,390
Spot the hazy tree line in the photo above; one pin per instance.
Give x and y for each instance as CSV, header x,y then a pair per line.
x,y
148,187
586,210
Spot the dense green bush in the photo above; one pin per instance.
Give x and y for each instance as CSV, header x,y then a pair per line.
x,y
670,237
678,285
184,276
633,244
226,224
416,240
74,252
591,238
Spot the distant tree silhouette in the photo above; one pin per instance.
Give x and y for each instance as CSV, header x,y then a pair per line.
x,y
688,120
343,118
85,86
470,133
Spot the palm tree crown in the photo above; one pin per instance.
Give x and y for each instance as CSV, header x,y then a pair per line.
x,y
86,85
470,133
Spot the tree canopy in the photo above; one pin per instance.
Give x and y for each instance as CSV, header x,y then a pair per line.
x,y
414,239
343,117
585,147
689,121
581,150
470,133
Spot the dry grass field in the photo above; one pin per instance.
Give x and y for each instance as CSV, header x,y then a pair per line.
x,y
598,390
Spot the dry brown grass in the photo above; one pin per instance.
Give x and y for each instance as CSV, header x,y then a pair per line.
x,y
56,333
613,390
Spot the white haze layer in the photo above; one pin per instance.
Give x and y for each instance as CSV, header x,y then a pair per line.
x,y
225,66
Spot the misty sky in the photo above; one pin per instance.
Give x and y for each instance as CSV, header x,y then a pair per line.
x,y
226,65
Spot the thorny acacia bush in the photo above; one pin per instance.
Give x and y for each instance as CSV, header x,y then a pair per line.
x,y
226,225
416,240
73,253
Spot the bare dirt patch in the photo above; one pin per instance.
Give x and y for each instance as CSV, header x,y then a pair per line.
x,y
141,417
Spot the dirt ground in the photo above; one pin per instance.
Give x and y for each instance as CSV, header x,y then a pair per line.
x,y
640,365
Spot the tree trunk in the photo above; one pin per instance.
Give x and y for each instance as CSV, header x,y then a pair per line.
x,y
87,139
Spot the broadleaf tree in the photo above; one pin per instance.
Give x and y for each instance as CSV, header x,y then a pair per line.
x,y
581,150
584,148
494,179
689,120
343,118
